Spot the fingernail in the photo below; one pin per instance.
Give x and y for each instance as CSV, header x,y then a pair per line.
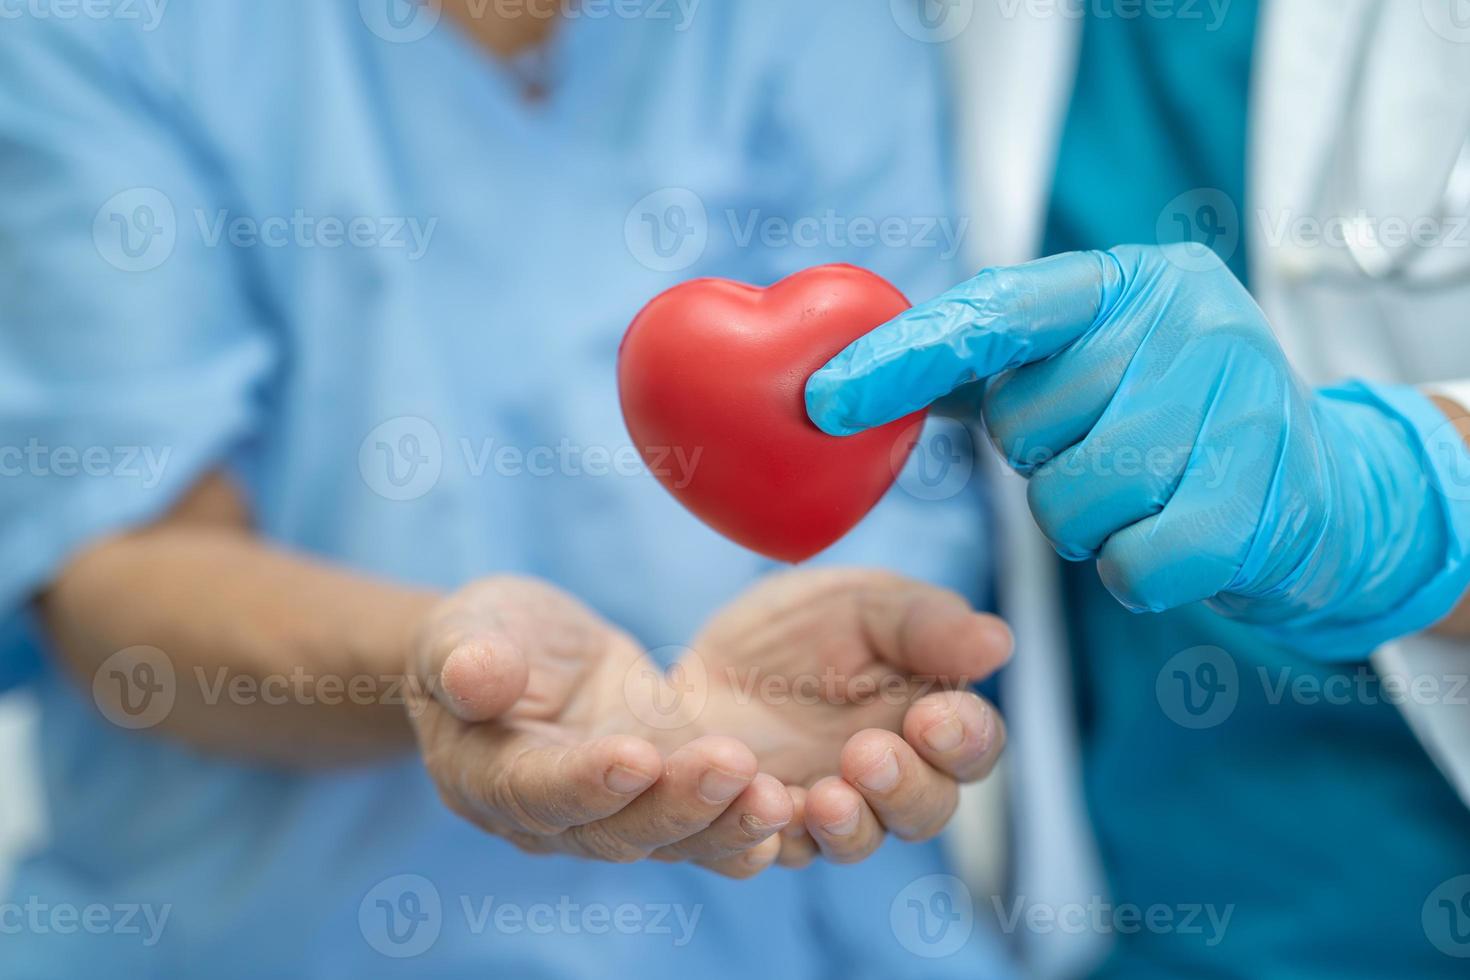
x,y
987,729
451,675
718,786
755,826
882,777
945,736
621,779
843,827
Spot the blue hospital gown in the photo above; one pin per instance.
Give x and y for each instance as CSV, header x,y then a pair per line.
x,y
330,247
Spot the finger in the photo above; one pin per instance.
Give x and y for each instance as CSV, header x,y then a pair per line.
x,y
476,675
934,633
1127,467
959,733
999,320
797,847
757,814
748,863
910,798
699,782
545,790
1196,546
841,822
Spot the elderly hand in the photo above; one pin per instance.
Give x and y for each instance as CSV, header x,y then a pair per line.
x,y
550,728
851,686
528,733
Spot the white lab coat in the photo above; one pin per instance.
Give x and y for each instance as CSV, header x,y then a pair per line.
x,y
1379,86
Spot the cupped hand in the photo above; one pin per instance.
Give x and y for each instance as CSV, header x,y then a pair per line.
x,y
851,685
817,712
523,724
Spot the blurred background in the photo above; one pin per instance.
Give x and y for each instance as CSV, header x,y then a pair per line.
x,y
20,809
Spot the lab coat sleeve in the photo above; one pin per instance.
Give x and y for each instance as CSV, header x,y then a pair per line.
x,y
862,109
129,356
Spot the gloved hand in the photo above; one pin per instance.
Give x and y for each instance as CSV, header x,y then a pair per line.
x,y
1165,434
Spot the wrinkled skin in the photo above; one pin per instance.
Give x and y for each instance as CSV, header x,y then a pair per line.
x,y
744,752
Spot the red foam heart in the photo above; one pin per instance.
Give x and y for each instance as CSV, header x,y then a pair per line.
x,y
712,376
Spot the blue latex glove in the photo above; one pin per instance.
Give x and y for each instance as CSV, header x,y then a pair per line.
x,y
1165,434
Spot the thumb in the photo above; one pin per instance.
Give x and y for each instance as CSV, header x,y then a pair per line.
x,y
476,674
999,320
932,632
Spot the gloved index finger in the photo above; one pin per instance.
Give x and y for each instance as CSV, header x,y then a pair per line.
x,y
999,320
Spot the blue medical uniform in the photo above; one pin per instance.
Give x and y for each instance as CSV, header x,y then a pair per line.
x,y
333,247
1222,773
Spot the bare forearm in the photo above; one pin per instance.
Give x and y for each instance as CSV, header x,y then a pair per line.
x,y
1457,624
272,657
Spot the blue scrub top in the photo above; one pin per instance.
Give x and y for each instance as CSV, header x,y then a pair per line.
x,y
1222,772
332,247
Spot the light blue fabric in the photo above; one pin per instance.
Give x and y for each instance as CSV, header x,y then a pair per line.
x,y
426,401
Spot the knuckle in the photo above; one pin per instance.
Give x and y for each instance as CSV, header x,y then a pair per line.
x,y
1003,288
928,820
601,843
1060,521
501,796
672,827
